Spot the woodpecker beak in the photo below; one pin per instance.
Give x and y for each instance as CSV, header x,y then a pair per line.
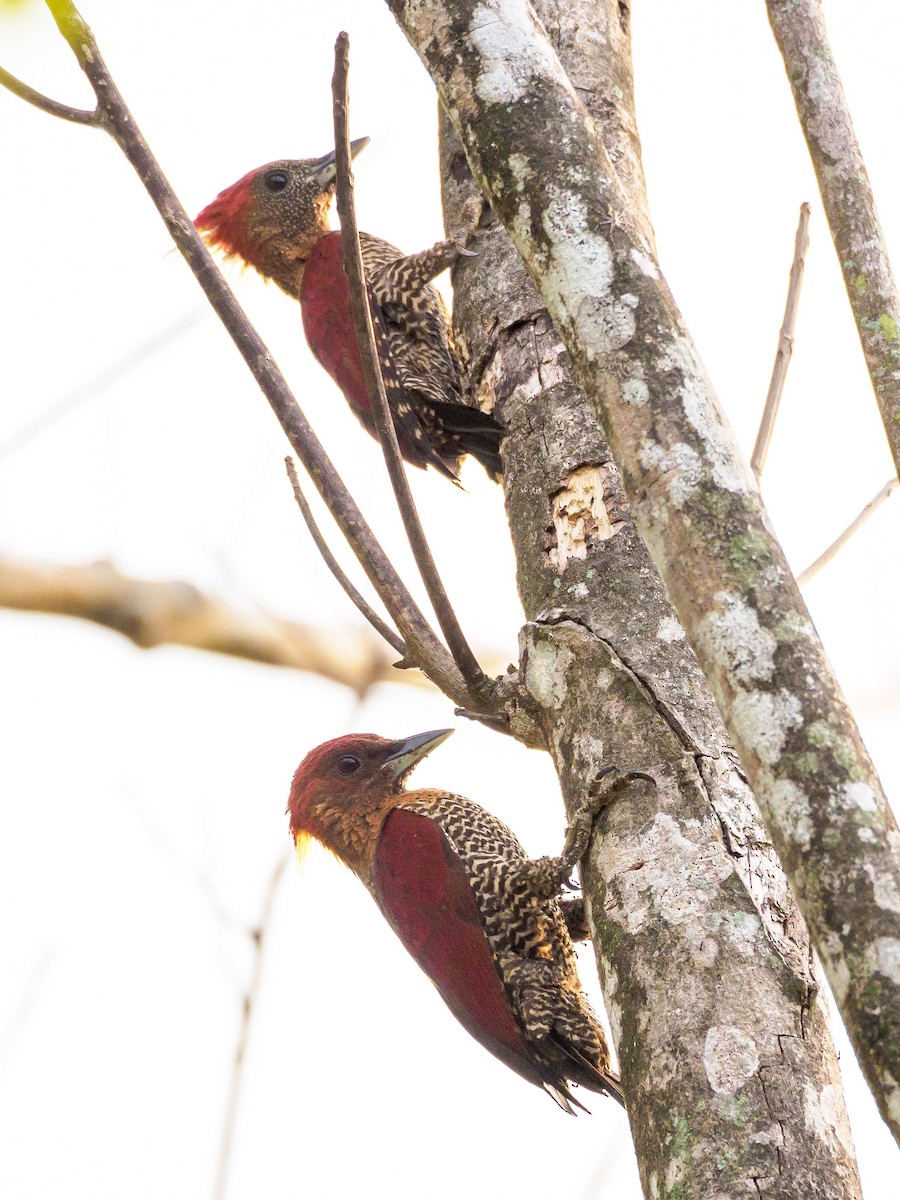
x,y
413,750
323,168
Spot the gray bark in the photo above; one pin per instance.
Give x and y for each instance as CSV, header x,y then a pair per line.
x,y
582,232
847,197
703,957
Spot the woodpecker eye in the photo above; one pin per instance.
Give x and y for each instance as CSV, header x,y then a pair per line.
x,y
348,765
276,181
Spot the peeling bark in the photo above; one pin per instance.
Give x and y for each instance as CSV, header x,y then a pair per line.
x,y
580,225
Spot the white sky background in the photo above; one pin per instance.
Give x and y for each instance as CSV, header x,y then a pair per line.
x,y
128,778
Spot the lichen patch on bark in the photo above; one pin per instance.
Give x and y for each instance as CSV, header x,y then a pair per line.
x,y
679,468
579,516
734,638
512,56
764,720
788,799
730,1058
824,1113
545,672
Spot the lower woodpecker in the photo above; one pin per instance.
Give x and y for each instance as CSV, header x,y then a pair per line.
x,y
478,916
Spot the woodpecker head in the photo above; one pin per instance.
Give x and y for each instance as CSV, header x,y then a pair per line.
x,y
343,790
273,216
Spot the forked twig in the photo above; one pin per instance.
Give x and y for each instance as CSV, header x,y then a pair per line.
x,y
112,114
785,345
335,568
81,116
839,542
387,435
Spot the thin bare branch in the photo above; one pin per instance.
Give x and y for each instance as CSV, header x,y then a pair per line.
x,y
785,345
426,651
18,1019
334,567
839,542
258,937
387,435
93,387
847,197
81,116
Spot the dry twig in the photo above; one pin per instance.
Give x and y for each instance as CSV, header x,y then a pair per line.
x,y
785,345
258,938
387,435
335,568
839,542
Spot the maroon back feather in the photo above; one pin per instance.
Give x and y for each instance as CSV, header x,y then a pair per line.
x,y
423,891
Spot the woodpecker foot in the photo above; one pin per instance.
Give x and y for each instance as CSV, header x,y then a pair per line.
x,y
470,216
547,876
601,791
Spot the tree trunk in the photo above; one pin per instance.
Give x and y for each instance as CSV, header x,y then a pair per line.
x,y
574,215
727,1061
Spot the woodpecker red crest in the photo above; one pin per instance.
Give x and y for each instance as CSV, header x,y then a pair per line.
x,y
276,220
477,915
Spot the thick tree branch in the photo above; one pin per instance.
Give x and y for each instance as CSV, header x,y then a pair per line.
x,y
590,251
847,196
785,345
387,435
426,651
619,684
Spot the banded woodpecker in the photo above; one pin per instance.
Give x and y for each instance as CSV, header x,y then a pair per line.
x,y
479,917
276,220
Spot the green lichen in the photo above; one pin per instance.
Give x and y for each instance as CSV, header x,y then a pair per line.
x,y
735,1110
715,503
859,285
820,734
746,553
802,765
792,626
727,1160
888,327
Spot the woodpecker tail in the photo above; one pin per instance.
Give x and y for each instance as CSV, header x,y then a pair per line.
x,y
479,433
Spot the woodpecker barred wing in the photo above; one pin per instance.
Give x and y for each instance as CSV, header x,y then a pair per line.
x,y
423,891
331,334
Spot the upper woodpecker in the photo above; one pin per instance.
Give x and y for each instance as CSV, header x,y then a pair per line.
x,y
478,916
276,220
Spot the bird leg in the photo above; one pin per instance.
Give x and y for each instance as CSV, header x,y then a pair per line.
x,y
394,282
547,876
